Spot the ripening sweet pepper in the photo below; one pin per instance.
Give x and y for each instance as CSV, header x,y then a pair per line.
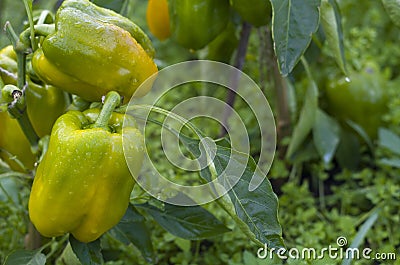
x,y
44,102
8,65
83,183
94,50
195,23
14,144
157,18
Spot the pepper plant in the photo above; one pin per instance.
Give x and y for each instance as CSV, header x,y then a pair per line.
x,y
81,183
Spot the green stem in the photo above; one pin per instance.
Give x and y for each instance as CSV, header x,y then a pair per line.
x,y
39,30
18,108
28,9
112,100
21,61
28,130
12,36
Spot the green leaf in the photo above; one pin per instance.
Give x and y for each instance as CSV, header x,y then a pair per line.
x,y
306,120
348,152
293,24
393,162
361,132
87,253
389,140
257,210
115,5
362,232
326,132
25,257
188,222
393,9
331,22
132,229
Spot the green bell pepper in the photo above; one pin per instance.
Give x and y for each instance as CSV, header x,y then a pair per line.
x,y
93,51
195,23
256,12
83,183
361,98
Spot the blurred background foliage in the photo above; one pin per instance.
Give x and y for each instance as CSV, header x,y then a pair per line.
x,y
318,202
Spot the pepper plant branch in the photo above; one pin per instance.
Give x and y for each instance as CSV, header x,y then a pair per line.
x,y
281,88
17,108
239,62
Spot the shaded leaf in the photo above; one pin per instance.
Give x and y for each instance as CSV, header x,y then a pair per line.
x,y
326,132
393,9
293,24
331,22
306,120
132,229
361,132
348,152
256,209
389,140
87,253
188,222
25,257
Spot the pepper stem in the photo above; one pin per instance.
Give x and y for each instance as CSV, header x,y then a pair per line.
x,y
112,101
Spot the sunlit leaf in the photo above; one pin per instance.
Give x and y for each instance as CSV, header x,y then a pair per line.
x,y
393,9
293,24
257,210
326,135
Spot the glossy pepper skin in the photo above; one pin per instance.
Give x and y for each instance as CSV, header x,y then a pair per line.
x,y
94,50
361,98
256,12
195,23
13,142
83,183
157,18
45,103
8,65
223,46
